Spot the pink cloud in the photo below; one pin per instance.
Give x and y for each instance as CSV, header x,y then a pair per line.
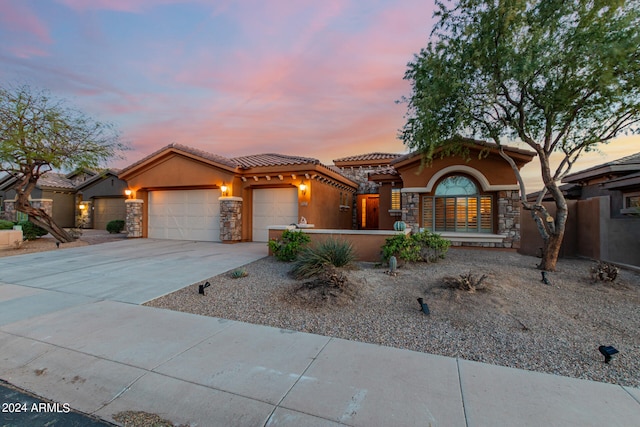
x,y
19,19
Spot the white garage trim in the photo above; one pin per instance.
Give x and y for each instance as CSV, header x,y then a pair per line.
x,y
273,206
185,215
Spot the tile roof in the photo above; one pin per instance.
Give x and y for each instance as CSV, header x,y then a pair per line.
x,y
369,156
55,180
487,144
271,159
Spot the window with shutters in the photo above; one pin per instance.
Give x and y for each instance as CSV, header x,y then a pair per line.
x,y
457,205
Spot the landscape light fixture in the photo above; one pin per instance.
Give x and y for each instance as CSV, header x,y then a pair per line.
x,y
423,306
545,279
201,288
303,187
607,351
128,193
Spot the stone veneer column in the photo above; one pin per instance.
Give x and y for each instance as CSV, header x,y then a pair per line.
x,y
10,210
509,217
230,219
133,222
411,210
44,204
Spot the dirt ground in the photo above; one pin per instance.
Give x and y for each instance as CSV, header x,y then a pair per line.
x,y
48,243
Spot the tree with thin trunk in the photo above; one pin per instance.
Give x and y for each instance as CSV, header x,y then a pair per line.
x,y
39,134
554,75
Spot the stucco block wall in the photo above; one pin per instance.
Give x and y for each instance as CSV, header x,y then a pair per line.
x,y
588,222
323,209
531,241
8,238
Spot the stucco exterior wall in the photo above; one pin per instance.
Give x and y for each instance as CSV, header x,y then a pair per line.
x,y
531,241
108,186
386,219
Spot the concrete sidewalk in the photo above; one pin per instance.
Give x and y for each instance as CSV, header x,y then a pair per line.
x,y
105,356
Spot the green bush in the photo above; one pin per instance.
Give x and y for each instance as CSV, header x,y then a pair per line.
x,y
30,231
289,245
432,246
6,225
403,247
423,246
115,226
313,260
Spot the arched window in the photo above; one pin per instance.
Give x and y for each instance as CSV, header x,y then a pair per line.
x,y
457,206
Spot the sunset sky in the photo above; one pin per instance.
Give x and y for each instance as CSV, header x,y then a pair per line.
x,y
308,78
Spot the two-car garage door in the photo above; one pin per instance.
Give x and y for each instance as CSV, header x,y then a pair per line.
x,y
185,215
195,214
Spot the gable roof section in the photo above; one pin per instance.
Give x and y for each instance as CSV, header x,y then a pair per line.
x,y
55,180
623,166
97,177
201,155
518,154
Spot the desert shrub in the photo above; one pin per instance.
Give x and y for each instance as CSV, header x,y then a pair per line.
x,y
466,282
432,246
604,272
403,247
239,273
6,225
289,245
30,231
313,260
116,226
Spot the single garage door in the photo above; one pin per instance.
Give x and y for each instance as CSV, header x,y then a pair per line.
x,y
273,206
185,215
106,210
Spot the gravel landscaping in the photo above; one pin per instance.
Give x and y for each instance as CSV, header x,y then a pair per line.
x,y
516,320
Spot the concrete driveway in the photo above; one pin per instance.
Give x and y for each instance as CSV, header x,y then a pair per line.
x,y
133,271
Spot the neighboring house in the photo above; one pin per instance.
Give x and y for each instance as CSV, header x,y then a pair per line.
x,y
604,213
180,192
472,202
83,198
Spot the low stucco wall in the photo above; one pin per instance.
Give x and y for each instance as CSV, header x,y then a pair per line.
x,y
367,244
9,237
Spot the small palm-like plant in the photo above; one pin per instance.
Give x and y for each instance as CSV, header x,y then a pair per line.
x,y
313,260
239,273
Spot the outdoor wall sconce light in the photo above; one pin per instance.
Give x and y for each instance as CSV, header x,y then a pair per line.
x,y
81,206
128,193
607,351
303,188
224,190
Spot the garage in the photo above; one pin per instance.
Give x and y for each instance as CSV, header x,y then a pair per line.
x,y
106,210
273,206
185,215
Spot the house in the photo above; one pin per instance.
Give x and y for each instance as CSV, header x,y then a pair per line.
x,y
604,213
180,192
472,202
83,198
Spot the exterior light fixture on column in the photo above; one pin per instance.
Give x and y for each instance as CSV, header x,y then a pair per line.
x,y
303,187
82,206
128,193
224,189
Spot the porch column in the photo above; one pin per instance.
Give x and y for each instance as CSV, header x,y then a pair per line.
x,y
133,222
230,219
509,218
411,210
44,204
10,210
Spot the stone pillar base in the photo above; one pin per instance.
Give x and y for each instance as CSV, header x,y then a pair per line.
x,y
230,219
133,221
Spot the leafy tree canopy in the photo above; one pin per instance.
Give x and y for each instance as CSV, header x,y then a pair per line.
x,y
559,76
39,133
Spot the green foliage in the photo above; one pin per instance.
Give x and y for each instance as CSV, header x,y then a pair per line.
x,y
289,245
6,225
433,246
30,231
423,246
313,260
116,226
239,273
403,247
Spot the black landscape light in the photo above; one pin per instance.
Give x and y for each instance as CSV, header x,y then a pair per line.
x,y
424,306
57,244
545,279
607,351
201,288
